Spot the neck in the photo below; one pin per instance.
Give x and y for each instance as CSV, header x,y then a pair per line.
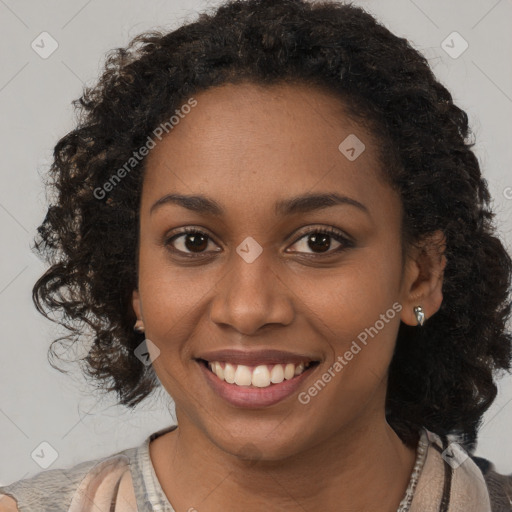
x,y
336,471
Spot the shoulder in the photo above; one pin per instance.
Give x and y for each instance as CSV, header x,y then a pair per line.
x,y
448,476
99,480
499,486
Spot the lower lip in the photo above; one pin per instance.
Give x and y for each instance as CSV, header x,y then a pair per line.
x,y
253,397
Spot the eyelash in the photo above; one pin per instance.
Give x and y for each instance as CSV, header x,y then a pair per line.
x,y
345,242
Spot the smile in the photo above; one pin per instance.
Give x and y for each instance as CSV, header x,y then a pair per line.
x,y
260,384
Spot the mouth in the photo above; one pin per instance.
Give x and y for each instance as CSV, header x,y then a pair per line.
x,y
255,384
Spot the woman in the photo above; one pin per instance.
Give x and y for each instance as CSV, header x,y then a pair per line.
x,y
277,206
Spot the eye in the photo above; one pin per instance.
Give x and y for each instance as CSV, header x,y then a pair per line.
x,y
192,241
189,241
319,241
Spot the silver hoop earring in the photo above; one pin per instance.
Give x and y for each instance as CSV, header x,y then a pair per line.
x,y
420,315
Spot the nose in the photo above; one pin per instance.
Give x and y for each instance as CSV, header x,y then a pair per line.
x,y
251,295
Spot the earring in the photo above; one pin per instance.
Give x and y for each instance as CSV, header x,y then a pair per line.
x,y
420,315
138,327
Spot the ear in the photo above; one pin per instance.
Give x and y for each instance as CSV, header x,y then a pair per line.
x,y
136,304
423,277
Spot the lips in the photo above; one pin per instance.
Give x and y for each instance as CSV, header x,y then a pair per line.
x,y
255,378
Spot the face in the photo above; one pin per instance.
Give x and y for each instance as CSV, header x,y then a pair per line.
x,y
263,279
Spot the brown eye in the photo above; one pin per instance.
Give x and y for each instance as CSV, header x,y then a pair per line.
x,y
189,242
319,241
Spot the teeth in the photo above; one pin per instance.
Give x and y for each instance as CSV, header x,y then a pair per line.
x,y
289,371
299,369
218,370
243,376
277,374
261,376
229,373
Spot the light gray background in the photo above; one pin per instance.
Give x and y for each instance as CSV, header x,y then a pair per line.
x,y
39,404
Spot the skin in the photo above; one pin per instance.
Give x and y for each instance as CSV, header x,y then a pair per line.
x,y
247,147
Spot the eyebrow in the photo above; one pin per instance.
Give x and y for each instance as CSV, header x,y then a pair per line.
x,y
298,204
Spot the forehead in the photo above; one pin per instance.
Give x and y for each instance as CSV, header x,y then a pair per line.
x,y
263,142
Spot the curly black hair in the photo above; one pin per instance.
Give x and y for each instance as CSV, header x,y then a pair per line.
x,y
442,375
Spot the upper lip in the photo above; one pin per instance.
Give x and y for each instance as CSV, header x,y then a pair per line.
x,y
255,357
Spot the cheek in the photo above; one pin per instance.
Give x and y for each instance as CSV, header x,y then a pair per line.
x,y
169,300
169,293
352,296
357,326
